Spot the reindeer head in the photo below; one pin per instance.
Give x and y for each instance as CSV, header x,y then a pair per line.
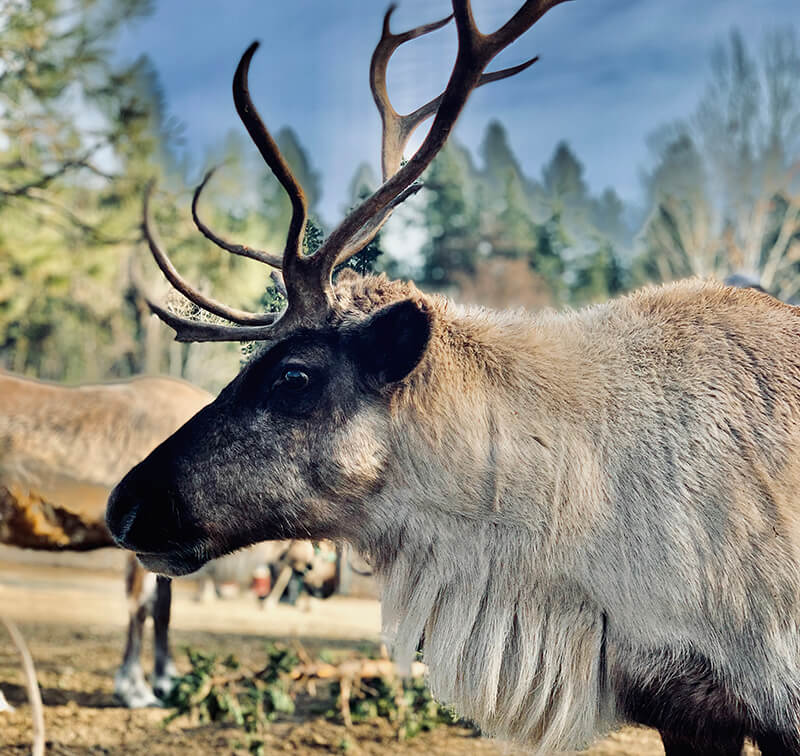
x,y
299,442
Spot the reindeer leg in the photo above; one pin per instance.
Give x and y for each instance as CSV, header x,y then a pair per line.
x,y
164,673
130,685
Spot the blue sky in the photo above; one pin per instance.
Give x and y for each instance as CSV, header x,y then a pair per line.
x,y
611,71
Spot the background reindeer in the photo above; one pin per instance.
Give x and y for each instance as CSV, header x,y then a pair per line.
x,y
61,451
621,481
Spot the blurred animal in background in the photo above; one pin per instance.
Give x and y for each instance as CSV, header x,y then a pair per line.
x,y
61,451
298,566
227,576
275,570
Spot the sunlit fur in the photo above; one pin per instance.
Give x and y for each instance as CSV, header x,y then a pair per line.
x,y
578,500
585,518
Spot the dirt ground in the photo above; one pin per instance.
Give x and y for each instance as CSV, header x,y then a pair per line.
x,y
73,619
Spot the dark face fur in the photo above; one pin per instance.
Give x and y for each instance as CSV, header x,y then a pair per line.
x,y
292,447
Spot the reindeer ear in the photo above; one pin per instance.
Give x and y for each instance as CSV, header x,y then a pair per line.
x,y
390,344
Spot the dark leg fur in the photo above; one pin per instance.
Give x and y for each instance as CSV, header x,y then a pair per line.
x,y
164,670
696,713
681,696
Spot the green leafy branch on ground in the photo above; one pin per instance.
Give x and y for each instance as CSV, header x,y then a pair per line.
x,y
405,702
220,689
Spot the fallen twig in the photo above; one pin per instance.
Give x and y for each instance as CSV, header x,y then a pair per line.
x,y
349,674
34,695
355,669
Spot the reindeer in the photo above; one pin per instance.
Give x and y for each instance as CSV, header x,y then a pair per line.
x,y
61,451
588,518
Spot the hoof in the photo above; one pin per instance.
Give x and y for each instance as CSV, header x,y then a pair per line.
x,y
163,686
132,691
164,683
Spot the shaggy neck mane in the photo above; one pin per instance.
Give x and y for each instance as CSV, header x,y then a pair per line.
x,y
506,641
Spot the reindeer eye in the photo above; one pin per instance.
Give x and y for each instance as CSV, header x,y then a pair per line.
x,y
295,379
296,390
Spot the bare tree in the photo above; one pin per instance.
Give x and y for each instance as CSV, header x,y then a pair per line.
x,y
725,194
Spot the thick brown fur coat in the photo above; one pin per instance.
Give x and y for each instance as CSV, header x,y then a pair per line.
x,y
584,506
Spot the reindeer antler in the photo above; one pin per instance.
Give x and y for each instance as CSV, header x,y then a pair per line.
x,y
270,258
397,129
307,279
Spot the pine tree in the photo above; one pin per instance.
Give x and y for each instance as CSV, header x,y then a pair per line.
x,y
63,183
450,218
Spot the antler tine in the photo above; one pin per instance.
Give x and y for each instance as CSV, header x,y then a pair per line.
x,y
397,129
517,25
277,281
370,230
410,122
188,330
193,295
475,51
292,254
237,249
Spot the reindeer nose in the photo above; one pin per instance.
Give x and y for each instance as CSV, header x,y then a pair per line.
x,y
146,515
121,512
131,508
139,513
